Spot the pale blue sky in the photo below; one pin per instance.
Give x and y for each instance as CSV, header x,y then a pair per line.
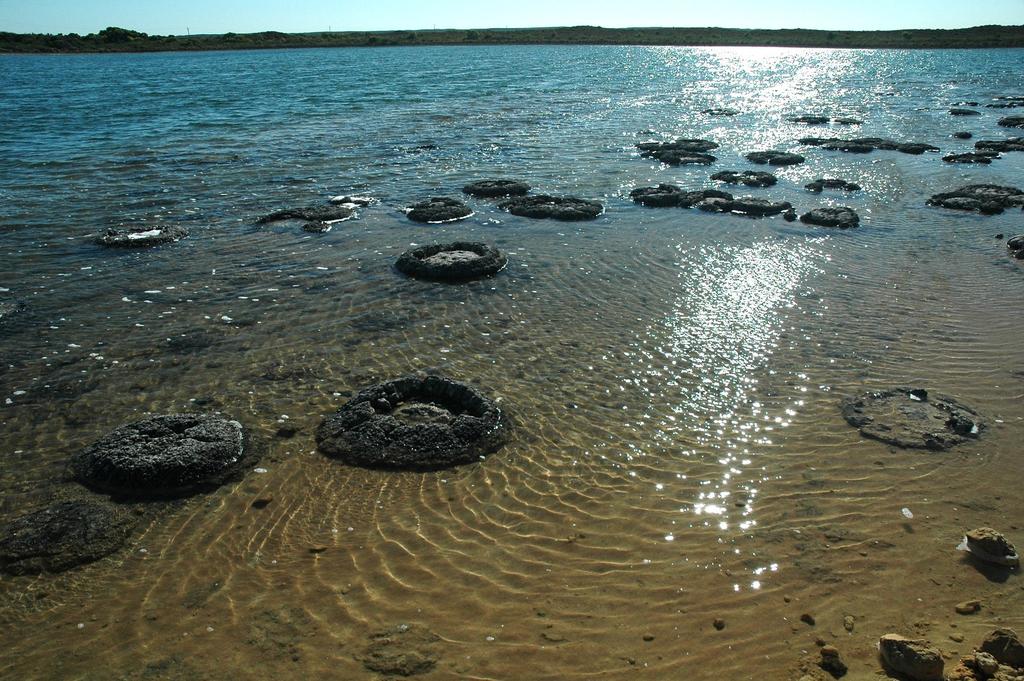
x,y
244,16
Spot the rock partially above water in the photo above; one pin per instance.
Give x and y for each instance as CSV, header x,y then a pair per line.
x,y
746,205
988,199
809,120
1015,244
496,188
662,196
990,546
1012,122
839,216
845,120
62,536
141,237
682,151
438,209
403,650
751,178
1002,146
163,456
915,658
863,145
984,158
831,183
328,213
413,423
720,111
912,418
554,207
964,112
775,158
1005,646
455,262
963,135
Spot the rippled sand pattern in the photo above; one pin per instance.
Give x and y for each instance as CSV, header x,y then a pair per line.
x,y
673,377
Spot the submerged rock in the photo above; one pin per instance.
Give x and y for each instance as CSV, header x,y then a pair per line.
x,y
984,158
458,261
720,111
1015,244
1001,146
988,199
1012,122
329,213
62,536
746,205
831,183
964,112
140,237
403,650
163,456
554,207
915,658
912,418
8,309
839,216
682,151
496,188
413,423
751,178
990,546
1005,646
775,158
832,662
438,209
809,120
863,145
662,196
845,120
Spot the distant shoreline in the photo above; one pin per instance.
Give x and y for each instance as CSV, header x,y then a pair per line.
x,y
115,39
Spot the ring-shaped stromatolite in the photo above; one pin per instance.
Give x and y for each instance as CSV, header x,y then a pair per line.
x,y
163,456
141,237
458,261
912,418
413,423
541,206
496,188
774,158
439,209
62,536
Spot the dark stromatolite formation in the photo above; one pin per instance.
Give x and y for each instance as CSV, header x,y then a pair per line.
x,y
863,145
987,199
541,206
963,135
838,216
438,209
831,183
1015,245
62,536
662,196
846,120
1001,146
963,112
983,157
496,188
912,418
458,261
720,111
774,158
809,120
679,152
1012,122
327,213
163,456
746,205
413,423
141,237
751,178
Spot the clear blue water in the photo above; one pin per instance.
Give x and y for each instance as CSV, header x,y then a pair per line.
x,y
673,375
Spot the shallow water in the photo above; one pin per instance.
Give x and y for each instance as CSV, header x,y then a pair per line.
x,y
673,376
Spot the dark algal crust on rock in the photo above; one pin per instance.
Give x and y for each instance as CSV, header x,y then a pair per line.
x,y
984,158
775,158
458,261
1012,122
682,151
1015,245
62,536
662,196
831,183
439,209
987,199
964,112
496,188
912,418
141,237
845,120
963,135
554,207
413,423
839,216
746,205
751,178
694,198
328,213
720,111
863,145
163,456
809,120
1008,144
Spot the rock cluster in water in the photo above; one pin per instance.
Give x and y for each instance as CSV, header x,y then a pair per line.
x,y
720,111
831,183
62,536
413,423
864,145
774,158
746,205
454,262
682,151
496,188
671,196
163,456
912,418
987,199
751,178
438,209
141,237
822,120
567,208
1005,145
1012,122
839,216
983,157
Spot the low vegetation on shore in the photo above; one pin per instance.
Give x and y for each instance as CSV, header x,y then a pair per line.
x,y
115,39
